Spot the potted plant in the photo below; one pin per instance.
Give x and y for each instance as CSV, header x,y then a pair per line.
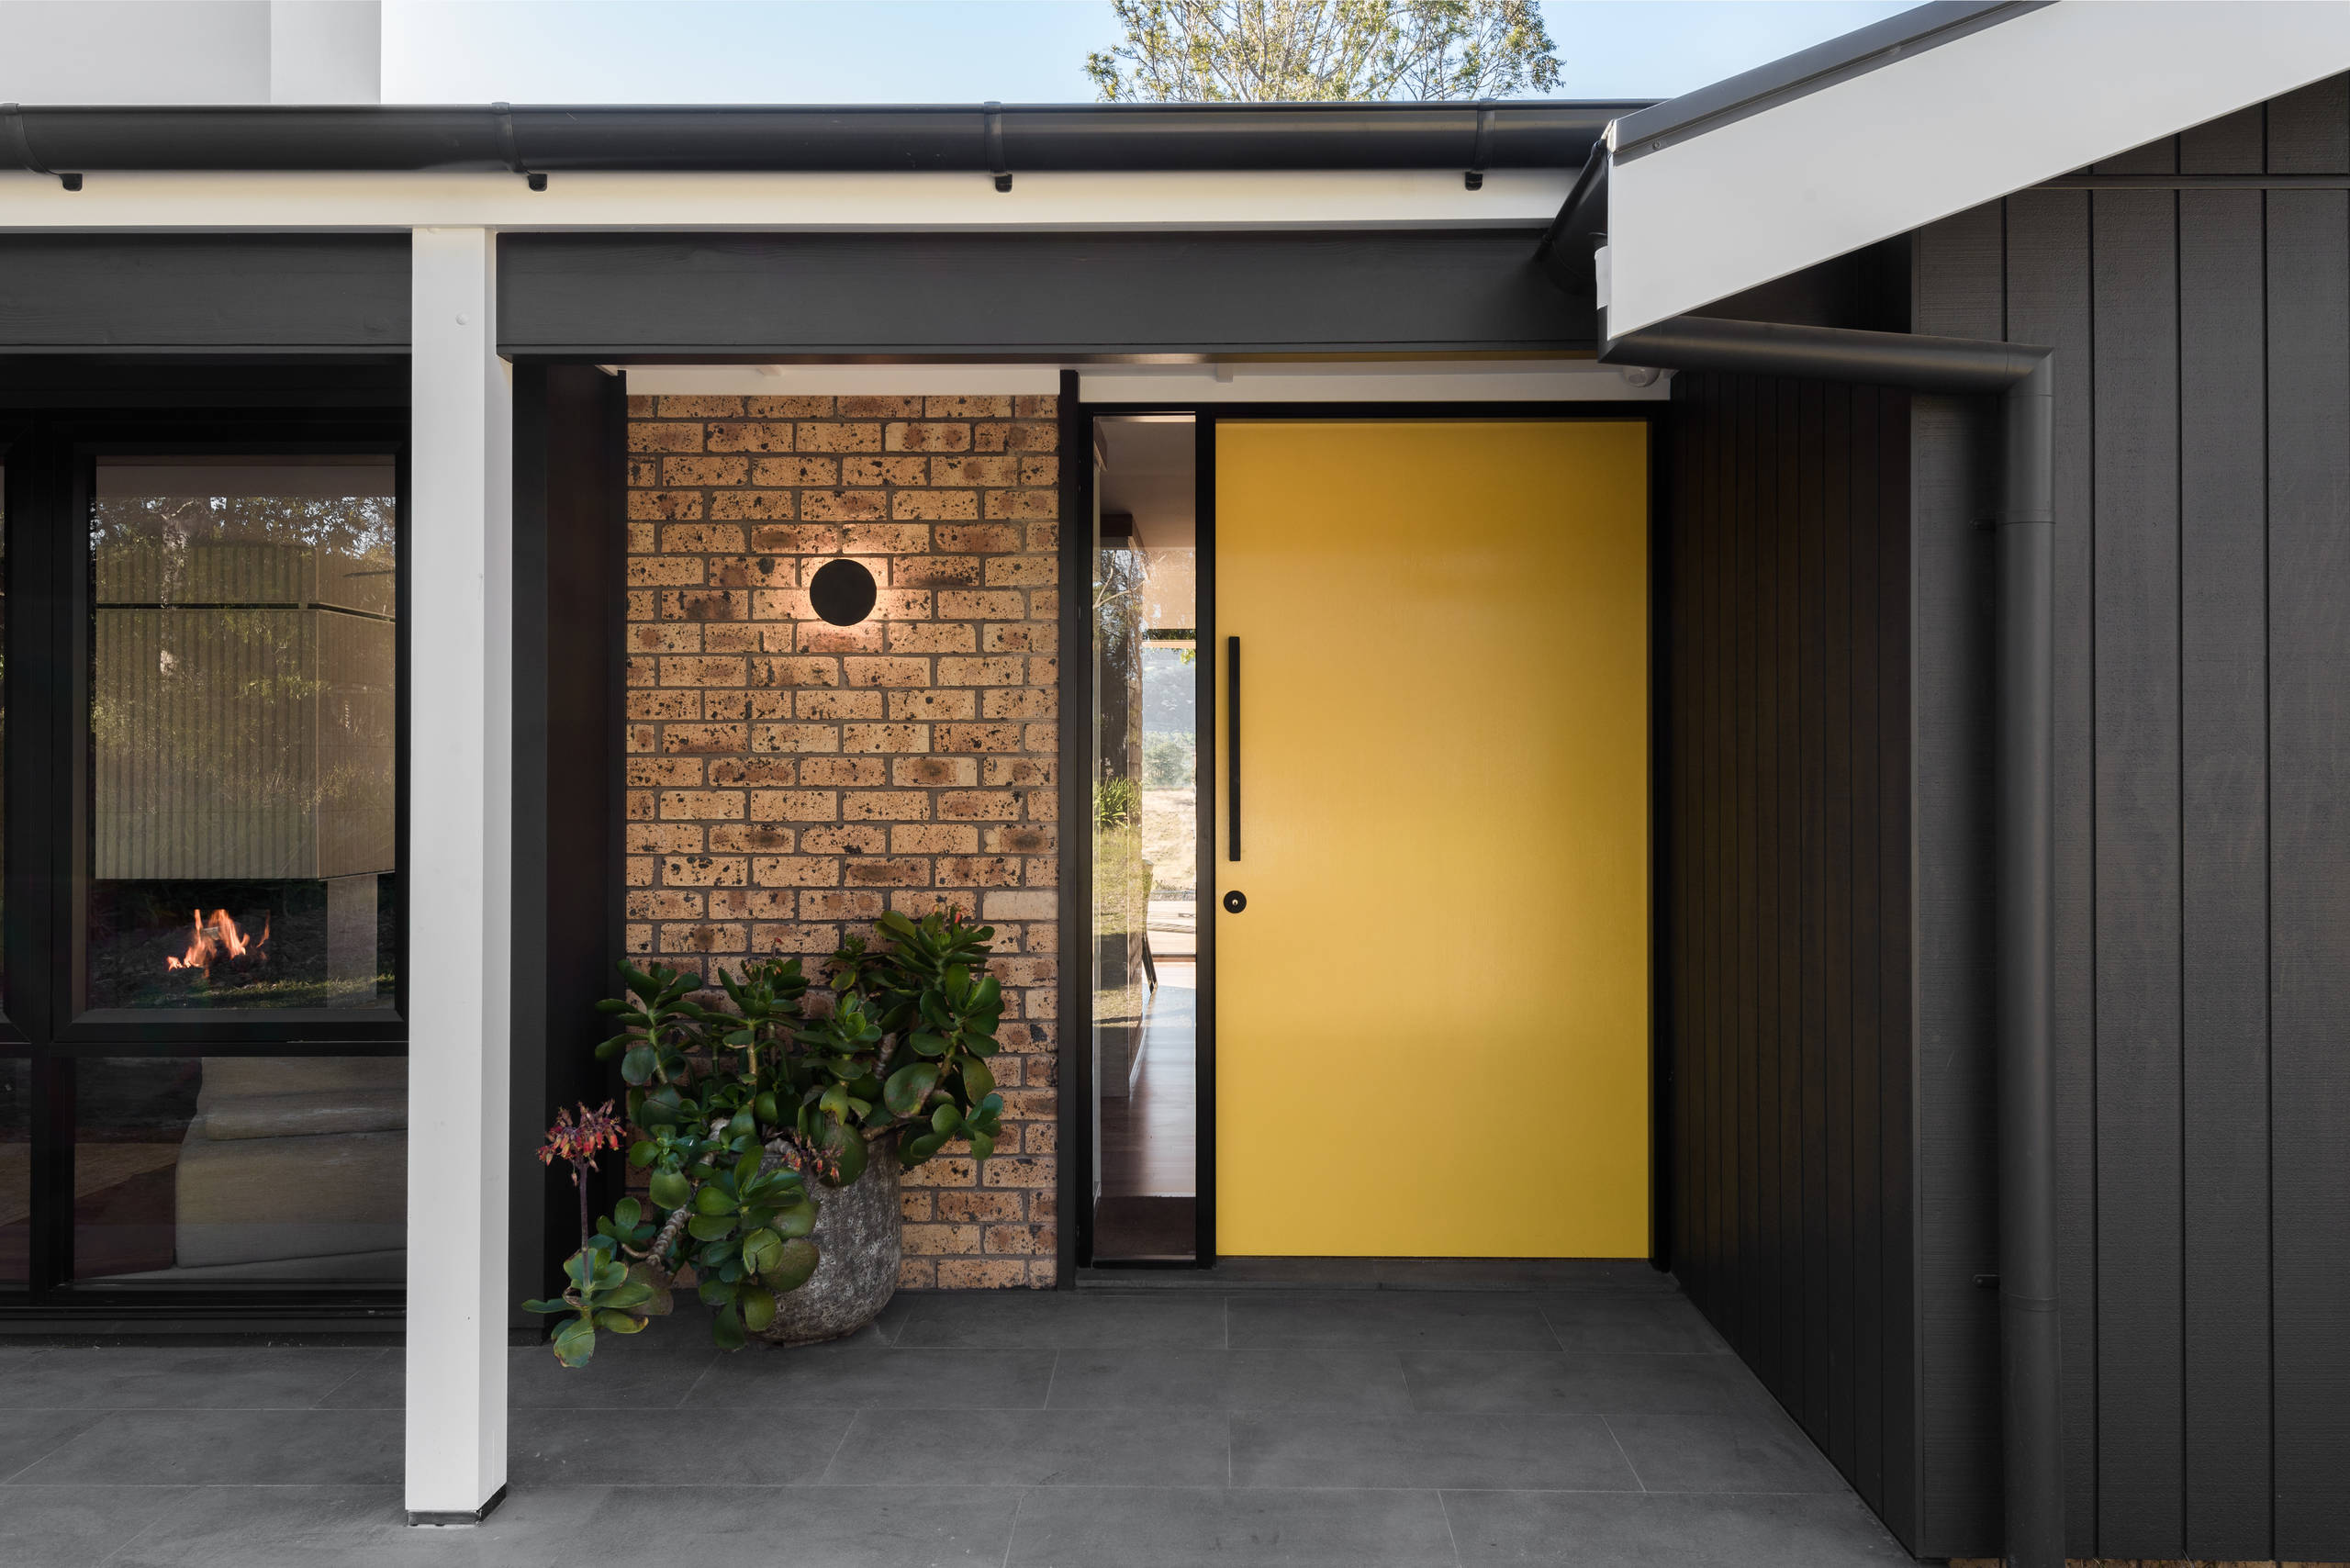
x,y
772,1132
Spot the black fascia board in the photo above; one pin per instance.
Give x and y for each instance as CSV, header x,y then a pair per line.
x,y
1900,37
847,139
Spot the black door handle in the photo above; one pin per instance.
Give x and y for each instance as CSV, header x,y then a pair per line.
x,y
1232,744
1235,901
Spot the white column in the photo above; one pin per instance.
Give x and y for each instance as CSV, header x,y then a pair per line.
x,y
459,537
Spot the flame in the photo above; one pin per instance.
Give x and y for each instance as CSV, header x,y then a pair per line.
x,y
210,941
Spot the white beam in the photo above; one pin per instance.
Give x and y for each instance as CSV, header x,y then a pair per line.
x,y
1938,132
459,538
1240,198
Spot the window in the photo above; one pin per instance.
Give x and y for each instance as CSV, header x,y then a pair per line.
x,y
202,1045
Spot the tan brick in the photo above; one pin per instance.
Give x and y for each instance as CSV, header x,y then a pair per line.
x,y
1044,604
660,705
927,438
704,470
701,739
1019,702
885,805
976,871
1028,1239
640,406
702,938
753,771
1024,503
1020,637
795,737
654,504
953,505
980,604
979,471
843,505
917,1274
881,408
1045,536
875,540
717,604
920,1205
933,838
701,805
816,637
930,704
1022,437
839,906
685,407
847,838
902,604
747,838
885,470
887,671
1020,838
980,805
980,539
846,772
795,870
934,1240
929,637
839,437
1032,904
780,407
1036,405
702,671
977,737
660,838
989,407
934,571
750,438
704,871
901,873
664,437
647,904
840,705
1023,571
796,938
794,805
754,505
807,539
885,738
727,637
982,671
1041,472
791,473
981,1273
953,1205
1041,737
934,772
651,771
773,672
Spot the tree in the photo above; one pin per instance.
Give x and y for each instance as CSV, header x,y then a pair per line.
x,y
1273,51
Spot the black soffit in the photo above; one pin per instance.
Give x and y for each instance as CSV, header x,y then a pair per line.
x,y
984,139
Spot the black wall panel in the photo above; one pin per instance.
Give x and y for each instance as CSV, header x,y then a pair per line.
x,y
1786,816
2203,875
122,293
750,296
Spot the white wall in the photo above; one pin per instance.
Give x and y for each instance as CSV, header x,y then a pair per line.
x,y
191,51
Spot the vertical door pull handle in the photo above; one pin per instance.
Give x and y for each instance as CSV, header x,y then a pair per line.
x,y
1232,742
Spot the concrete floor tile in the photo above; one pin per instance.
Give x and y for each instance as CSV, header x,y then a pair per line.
x,y
1760,1452
150,1448
1628,1321
850,1375
1035,1448
1365,1381
1588,1385
1389,1320
1562,1530
1505,1449
1159,1527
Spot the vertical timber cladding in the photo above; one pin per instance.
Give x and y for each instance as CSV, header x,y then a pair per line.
x,y
1785,783
2202,846
788,780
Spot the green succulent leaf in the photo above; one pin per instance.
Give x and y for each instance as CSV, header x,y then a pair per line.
x,y
670,1190
758,1309
727,1327
907,1087
791,1269
574,1342
619,1322
710,1227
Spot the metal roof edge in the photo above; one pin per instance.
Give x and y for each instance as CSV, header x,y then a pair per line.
x,y
1807,71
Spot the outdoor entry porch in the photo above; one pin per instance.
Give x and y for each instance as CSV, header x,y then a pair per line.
x,y
1521,1414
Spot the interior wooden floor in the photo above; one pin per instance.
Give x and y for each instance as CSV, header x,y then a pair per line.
x,y
1149,1139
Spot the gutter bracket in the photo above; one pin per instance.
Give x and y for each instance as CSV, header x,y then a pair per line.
x,y
1473,177
15,115
505,147
994,116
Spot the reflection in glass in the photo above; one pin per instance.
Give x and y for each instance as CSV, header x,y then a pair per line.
x,y
243,724
1145,812
241,1170
16,1171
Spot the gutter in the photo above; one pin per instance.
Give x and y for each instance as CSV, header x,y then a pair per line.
x,y
2022,378
976,139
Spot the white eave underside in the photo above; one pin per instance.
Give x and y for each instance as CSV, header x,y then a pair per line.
x,y
1968,121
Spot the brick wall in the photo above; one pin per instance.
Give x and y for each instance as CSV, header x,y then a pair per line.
x,y
788,780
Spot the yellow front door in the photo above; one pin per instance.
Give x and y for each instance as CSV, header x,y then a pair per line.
x,y
1432,1013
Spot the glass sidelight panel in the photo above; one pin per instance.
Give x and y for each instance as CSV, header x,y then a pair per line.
x,y
217,1170
243,794
1145,811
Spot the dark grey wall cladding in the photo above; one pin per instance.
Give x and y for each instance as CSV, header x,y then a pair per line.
x,y
2202,603
1784,744
128,292
754,294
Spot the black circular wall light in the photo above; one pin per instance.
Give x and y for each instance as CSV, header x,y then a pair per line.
x,y
841,592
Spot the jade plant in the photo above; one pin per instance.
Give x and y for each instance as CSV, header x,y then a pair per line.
x,y
739,1113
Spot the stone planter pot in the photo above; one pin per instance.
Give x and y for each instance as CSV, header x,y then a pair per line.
x,y
856,1271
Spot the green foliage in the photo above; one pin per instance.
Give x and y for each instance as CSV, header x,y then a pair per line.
x,y
1283,50
735,1109
1117,803
1170,759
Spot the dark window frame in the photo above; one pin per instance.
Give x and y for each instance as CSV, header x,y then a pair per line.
x,y
51,463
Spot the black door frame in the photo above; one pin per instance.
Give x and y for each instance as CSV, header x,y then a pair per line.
x,y
1075,1057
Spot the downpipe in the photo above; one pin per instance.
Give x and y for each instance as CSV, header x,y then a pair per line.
x,y
2023,378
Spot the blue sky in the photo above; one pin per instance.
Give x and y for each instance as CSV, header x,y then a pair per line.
x,y
970,51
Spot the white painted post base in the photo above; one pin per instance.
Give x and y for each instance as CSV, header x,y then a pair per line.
x,y
459,538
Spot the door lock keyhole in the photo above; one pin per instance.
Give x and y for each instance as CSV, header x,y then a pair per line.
x,y
1235,901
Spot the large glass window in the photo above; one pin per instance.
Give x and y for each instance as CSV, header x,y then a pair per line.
x,y
243,700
